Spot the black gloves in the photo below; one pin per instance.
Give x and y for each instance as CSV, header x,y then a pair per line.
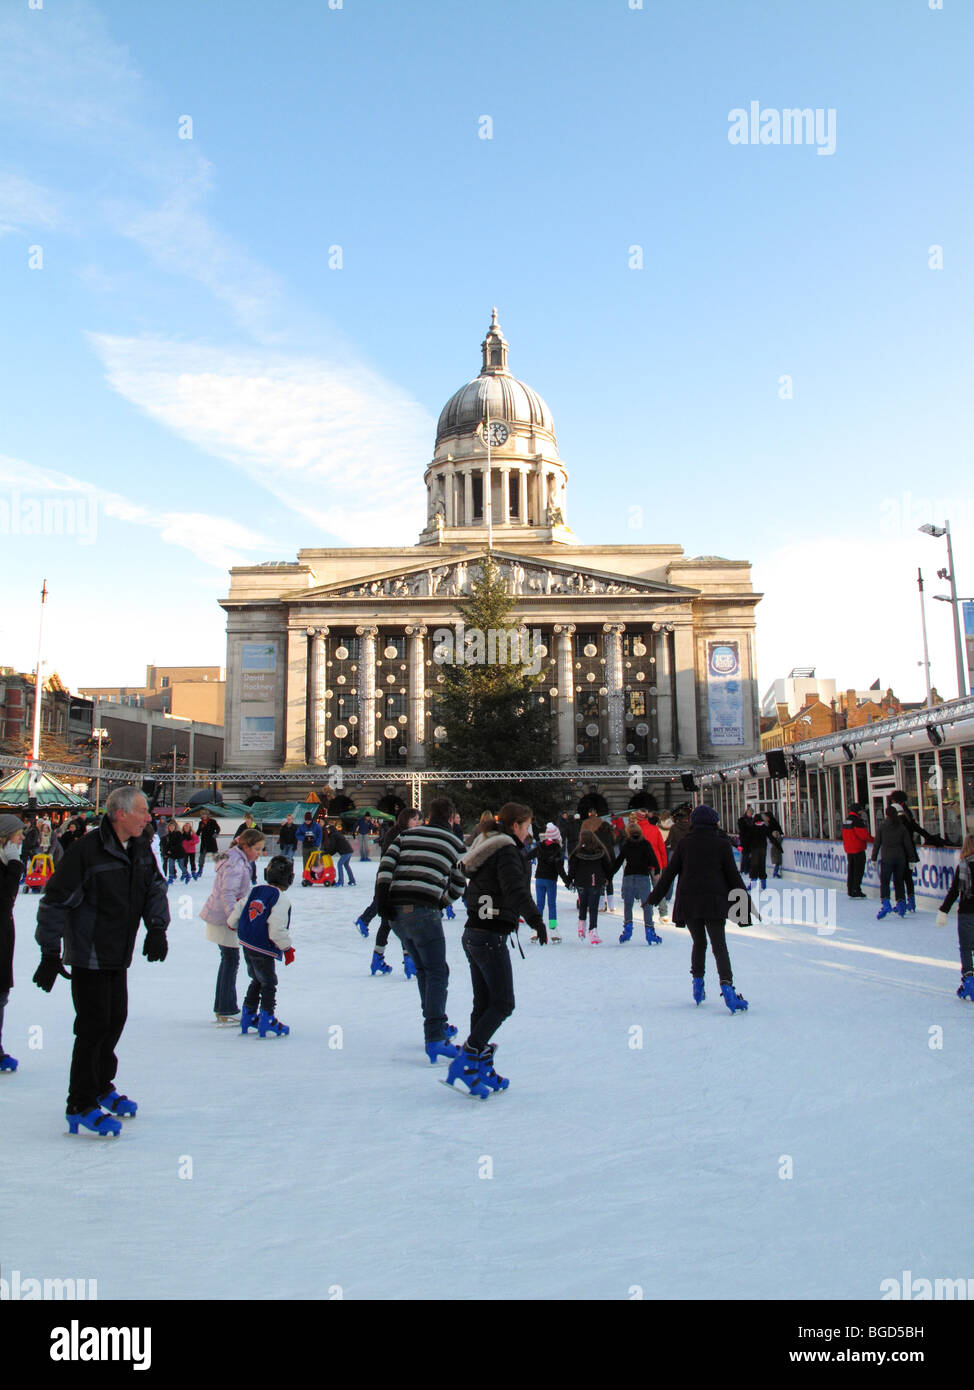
x,y
155,947
48,971
542,932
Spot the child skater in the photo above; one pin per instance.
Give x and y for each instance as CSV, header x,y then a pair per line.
x,y
589,869
261,922
190,842
11,870
961,891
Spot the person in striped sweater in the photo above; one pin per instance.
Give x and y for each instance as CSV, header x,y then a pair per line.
x,y
419,874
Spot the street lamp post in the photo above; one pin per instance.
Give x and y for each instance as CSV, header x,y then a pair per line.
x,y
926,657
937,531
98,735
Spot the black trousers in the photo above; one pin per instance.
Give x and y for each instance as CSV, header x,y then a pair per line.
x,y
700,931
101,1004
855,868
493,983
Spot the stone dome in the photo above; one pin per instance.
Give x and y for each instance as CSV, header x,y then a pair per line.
x,y
497,391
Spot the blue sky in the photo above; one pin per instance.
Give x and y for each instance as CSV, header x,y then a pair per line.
x,y
184,360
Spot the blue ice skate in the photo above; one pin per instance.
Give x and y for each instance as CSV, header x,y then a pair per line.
x,y
698,991
732,999
362,926
379,966
885,910
441,1048
267,1023
249,1018
8,1063
652,939
911,904
966,991
409,965
185,878
449,911
490,1077
626,933
900,909
116,1104
449,1031
97,1121
466,1068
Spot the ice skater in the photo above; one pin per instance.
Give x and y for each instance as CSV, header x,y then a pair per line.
x,y
234,878
261,921
549,856
11,872
589,869
961,892
497,896
895,850
638,863
707,877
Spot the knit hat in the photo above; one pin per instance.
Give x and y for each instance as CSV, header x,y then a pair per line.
x,y
551,832
704,815
9,825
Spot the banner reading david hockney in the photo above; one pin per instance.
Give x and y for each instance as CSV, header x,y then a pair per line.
x,y
725,693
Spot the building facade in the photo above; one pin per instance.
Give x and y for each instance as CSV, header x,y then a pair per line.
x,y
647,655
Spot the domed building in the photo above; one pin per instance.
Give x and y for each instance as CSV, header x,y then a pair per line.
x,y
647,656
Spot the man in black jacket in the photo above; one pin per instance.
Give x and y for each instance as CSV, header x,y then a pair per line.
x,y
104,886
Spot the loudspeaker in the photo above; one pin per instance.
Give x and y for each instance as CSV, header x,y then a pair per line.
x,y
687,782
777,767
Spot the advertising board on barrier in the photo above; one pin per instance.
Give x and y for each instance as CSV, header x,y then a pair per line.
x,y
827,859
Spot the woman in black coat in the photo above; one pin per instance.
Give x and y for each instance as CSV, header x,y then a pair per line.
x,y
11,870
895,850
589,870
497,897
709,891
757,852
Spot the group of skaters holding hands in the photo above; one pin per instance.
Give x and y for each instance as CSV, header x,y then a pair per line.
x,y
108,882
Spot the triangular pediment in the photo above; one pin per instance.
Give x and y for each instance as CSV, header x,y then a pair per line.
x,y
525,575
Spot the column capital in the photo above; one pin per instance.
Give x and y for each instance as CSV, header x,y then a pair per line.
x,y
565,629
614,627
416,630
366,632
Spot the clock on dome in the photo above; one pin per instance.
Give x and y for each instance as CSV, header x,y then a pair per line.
x,y
496,433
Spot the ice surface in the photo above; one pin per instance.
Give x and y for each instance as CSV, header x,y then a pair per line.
x,y
320,1170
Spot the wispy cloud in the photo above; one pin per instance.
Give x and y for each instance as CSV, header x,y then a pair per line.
x,y
215,540
332,440
25,205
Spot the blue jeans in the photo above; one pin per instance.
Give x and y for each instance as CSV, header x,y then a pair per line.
x,y
343,864
546,891
287,851
421,934
262,989
636,886
226,981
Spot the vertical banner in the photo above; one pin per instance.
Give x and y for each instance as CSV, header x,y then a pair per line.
x,y
725,693
969,636
258,684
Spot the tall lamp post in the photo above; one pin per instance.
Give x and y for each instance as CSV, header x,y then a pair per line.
x,y
937,531
98,735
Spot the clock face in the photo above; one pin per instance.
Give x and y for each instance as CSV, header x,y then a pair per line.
x,y
497,432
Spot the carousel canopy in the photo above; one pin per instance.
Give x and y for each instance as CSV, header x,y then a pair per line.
x,y
17,790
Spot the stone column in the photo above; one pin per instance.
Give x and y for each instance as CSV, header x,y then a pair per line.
x,y
662,726
617,695
522,479
366,695
417,692
296,704
468,497
450,497
685,686
505,511
319,685
567,737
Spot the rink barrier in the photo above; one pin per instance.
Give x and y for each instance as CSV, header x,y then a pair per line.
x,y
827,859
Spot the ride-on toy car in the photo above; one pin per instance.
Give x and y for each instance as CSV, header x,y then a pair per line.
x,y
39,870
319,869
